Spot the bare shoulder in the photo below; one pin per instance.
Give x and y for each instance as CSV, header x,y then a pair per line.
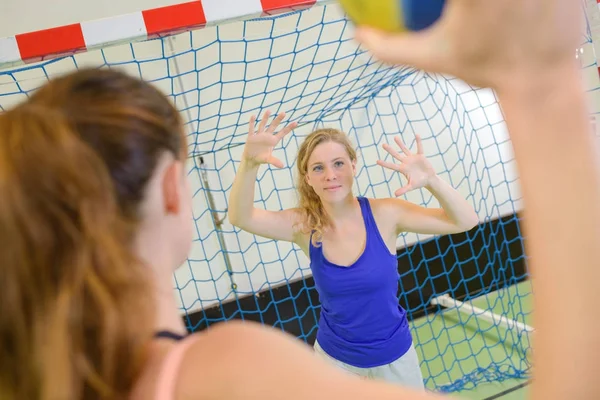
x,y
384,208
223,360
192,376
243,360
205,368
380,205
388,214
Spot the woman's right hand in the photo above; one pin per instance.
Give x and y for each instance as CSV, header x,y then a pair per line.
x,y
489,43
260,143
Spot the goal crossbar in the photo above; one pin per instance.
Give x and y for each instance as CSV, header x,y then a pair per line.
x,y
59,41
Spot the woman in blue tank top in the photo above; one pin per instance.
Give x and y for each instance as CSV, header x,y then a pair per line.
x,y
351,242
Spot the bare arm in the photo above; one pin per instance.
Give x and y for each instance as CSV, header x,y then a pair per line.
x,y
456,214
241,361
277,225
524,50
550,131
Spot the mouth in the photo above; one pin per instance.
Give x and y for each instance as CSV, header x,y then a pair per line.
x,y
332,188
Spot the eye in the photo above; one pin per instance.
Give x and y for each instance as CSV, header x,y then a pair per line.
x,y
317,168
338,164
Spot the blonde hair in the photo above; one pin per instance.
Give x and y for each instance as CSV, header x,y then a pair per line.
x,y
75,305
314,218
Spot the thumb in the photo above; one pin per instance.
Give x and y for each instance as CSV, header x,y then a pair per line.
x,y
402,190
421,50
276,162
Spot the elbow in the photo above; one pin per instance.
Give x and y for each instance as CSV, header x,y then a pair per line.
x,y
239,219
465,223
234,219
471,222
233,213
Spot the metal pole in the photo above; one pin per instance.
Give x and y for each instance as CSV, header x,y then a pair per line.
x,y
216,220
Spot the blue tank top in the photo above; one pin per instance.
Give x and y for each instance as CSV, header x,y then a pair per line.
x,y
361,322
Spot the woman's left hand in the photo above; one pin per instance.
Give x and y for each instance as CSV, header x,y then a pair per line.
x,y
415,167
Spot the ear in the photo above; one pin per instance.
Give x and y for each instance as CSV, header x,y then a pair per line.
x,y
171,187
354,167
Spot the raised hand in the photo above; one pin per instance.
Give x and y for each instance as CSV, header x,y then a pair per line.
x,y
415,167
260,143
488,43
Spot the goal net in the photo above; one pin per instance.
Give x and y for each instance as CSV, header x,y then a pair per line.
x,y
467,295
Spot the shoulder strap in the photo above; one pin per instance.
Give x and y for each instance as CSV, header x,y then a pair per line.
x,y
169,335
165,386
373,234
367,213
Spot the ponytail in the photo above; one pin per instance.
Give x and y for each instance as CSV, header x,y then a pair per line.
x,y
74,312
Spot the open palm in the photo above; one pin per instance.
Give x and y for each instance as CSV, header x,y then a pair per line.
x,y
260,143
415,167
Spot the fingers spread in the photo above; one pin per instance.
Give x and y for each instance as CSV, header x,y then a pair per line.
x,y
263,121
275,162
291,126
402,190
402,146
275,123
419,144
251,125
395,167
393,152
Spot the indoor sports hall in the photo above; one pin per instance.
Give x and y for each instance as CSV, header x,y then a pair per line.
x,y
468,295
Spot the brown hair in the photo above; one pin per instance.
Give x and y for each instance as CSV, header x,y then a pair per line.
x,y
314,216
75,158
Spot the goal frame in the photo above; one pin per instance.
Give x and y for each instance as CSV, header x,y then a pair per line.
x,y
60,41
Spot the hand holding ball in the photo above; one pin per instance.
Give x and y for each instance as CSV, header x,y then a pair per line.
x,y
394,15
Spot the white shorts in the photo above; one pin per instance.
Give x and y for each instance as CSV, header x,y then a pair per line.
x,y
404,371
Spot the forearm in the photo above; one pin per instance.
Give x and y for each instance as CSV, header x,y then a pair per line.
x,y
456,208
559,173
241,198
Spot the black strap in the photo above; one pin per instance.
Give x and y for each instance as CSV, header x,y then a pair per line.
x,y
169,335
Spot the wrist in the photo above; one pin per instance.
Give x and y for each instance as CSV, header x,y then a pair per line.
x,y
537,86
433,182
248,163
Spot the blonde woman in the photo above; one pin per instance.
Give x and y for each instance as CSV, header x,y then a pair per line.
x,y
351,242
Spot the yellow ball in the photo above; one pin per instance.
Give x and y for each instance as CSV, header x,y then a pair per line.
x,y
394,15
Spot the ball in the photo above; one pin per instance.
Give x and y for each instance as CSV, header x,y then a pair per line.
x,y
394,15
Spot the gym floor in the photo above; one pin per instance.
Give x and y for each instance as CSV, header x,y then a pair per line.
x,y
452,344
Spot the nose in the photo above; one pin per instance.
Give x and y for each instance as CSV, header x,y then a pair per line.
x,y
330,174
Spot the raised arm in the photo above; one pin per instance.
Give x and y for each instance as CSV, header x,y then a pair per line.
x,y
525,51
455,215
278,225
